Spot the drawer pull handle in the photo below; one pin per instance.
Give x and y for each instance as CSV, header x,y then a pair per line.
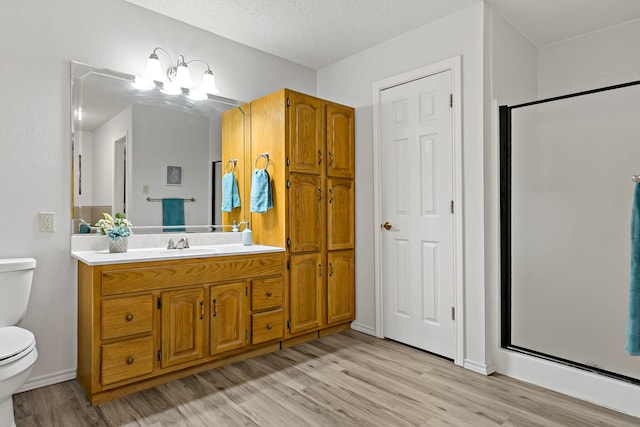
x,y
130,360
215,308
269,326
269,293
129,317
201,310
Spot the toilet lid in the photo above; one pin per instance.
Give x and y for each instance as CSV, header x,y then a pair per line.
x,y
13,341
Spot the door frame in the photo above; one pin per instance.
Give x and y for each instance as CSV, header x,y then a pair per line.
x,y
454,65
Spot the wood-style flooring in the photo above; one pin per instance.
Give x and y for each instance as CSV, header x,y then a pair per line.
x,y
346,379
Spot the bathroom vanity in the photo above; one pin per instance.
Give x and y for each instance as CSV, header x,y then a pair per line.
x,y
142,323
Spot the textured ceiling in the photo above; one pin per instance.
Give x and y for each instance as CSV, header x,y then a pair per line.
x,y
314,33
550,21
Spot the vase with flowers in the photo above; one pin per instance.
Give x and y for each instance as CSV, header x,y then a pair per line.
x,y
117,230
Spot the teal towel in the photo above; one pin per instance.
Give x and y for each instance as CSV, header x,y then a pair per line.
x,y
230,194
173,213
633,323
261,196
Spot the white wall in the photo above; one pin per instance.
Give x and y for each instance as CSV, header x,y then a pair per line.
x,y
41,38
594,60
176,138
350,82
101,166
602,58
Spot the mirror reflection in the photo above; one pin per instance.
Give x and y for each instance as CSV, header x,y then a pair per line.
x,y
153,156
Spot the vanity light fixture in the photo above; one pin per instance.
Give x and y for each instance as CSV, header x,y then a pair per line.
x,y
177,78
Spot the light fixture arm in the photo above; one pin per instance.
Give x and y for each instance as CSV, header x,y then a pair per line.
x,y
204,62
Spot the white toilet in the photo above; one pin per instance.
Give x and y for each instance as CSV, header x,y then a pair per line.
x,y
17,346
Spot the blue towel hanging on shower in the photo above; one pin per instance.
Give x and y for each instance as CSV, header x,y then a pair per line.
x,y
633,322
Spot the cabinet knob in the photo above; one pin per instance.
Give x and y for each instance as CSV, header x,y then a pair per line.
x,y
129,317
269,293
269,326
130,360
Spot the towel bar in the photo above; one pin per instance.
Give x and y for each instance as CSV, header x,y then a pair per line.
x,y
266,157
635,178
149,199
233,165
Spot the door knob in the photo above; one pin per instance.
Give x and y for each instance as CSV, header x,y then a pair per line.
x,y
387,226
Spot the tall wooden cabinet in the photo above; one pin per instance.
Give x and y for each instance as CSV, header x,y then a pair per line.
x,y
310,145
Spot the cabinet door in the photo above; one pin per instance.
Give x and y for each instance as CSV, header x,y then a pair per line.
x,y
340,286
306,292
228,316
340,142
306,133
183,326
305,213
340,214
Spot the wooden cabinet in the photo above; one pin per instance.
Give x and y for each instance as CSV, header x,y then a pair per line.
x,y
306,292
229,312
340,141
340,218
305,116
144,323
183,326
340,291
311,149
306,218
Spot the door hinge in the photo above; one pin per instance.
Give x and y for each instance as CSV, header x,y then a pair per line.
x,y
288,103
288,265
453,313
159,305
288,161
288,242
452,206
451,100
288,184
288,324
159,355
246,291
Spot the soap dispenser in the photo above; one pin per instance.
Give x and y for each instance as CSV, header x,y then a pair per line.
x,y
247,236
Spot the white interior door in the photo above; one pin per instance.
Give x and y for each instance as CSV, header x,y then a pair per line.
x,y
417,241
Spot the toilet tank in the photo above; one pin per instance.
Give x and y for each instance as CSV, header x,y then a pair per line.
x,y
15,286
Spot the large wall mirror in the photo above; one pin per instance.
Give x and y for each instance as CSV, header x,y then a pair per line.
x,y
133,149
566,192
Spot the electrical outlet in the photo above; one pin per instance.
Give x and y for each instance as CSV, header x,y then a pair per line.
x,y
48,221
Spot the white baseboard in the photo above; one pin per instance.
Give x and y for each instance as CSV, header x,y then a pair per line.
x,y
49,379
364,329
478,367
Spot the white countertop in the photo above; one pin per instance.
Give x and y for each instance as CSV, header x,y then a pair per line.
x,y
103,257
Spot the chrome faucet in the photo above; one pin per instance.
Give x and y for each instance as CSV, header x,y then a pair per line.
x,y
182,244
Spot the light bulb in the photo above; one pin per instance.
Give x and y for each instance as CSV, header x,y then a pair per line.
x,y
170,88
154,70
143,83
208,84
197,95
183,78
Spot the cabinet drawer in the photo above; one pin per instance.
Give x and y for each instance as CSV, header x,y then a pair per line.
x,y
126,316
128,359
266,326
266,294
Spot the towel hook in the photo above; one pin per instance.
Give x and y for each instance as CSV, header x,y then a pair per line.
x,y
266,157
635,178
233,165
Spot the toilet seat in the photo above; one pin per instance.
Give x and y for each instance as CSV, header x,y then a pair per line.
x,y
15,343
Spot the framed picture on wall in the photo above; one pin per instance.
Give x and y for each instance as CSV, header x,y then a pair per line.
x,y
174,175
